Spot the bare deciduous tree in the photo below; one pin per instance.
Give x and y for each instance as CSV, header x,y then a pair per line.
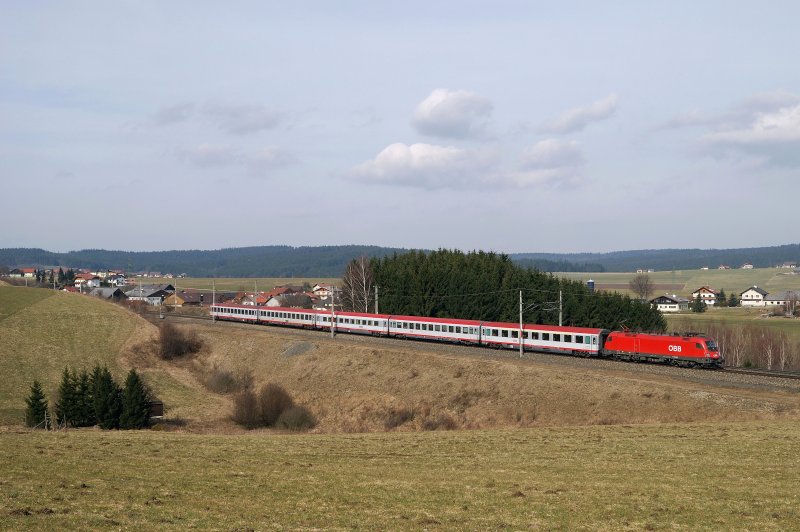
x,y
642,286
357,285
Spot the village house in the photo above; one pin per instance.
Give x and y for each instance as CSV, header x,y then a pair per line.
x,y
789,265
114,294
707,294
183,298
150,294
788,299
747,266
753,297
670,303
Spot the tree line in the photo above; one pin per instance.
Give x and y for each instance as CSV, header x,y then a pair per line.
x,y
485,286
88,399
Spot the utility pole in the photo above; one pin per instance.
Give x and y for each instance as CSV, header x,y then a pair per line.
x,y
213,298
520,324
333,312
560,309
376,299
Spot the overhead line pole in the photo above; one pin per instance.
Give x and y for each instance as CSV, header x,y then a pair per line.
x,y
520,324
376,299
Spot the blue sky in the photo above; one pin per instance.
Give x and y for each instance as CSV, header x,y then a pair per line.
x,y
511,126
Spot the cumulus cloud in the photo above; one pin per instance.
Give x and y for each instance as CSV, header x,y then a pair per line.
x,y
739,115
580,117
174,114
242,119
772,137
453,114
423,165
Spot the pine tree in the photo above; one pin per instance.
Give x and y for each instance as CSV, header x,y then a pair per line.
x,y
733,301
135,403
722,299
37,405
67,407
107,400
698,305
84,401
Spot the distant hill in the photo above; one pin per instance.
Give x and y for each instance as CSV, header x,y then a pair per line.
x,y
329,261
674,259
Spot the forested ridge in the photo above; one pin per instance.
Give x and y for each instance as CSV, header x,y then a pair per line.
x,y
485,286
330,261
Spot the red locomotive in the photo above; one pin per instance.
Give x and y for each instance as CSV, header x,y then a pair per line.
x,y
687,350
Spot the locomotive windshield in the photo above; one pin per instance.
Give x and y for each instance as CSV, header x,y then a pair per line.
x,y
712,345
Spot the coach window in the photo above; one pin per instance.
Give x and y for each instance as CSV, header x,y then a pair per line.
x,y
505,333
514,334
546,337
556,337
437,328
568,338
578,339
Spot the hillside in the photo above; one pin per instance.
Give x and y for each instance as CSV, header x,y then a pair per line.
x,y
42,331
356,384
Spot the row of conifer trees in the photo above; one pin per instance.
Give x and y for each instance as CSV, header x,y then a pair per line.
x,y
88,399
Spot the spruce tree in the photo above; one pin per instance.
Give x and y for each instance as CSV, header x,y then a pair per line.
x,y
107,400
37,405
85,402
135,403
698,305
67,405
733,301
722,299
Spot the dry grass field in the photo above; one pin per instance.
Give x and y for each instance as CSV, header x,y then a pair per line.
x,y
724,476
588,445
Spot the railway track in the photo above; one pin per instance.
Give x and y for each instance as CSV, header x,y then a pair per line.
x,y
765,373
494,353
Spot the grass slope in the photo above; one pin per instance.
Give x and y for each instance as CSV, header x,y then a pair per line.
x,y
694,476
42,331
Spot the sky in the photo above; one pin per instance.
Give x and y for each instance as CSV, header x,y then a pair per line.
x,y
505,126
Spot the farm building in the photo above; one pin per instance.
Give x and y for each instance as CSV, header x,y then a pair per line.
x,y
667,303
753,297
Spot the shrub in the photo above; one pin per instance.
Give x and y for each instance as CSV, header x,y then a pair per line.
x,y
398,416
439,422
222,381
273,400
296,418
174,343
245,409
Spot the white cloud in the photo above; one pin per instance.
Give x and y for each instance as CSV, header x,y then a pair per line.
x,y
424,165
453,114
243,119
770,137
580,117
739,115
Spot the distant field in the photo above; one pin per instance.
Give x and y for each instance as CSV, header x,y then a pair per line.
x,y
736,316
694,476
685,281
239,284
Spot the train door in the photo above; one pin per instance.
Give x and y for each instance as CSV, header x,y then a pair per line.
x,y
636,345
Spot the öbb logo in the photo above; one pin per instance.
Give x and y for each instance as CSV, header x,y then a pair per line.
x,y
675,348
